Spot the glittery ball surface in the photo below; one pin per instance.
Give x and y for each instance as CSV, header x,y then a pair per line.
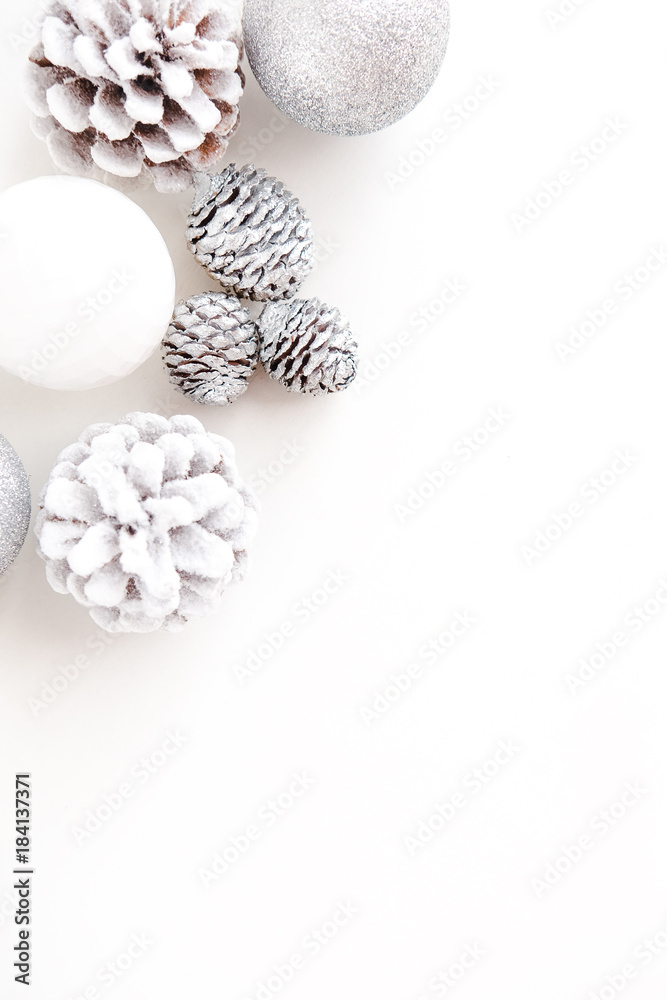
x,y
15,504
346,67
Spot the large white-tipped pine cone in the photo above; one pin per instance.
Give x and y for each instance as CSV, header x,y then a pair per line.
x,y
146,522
137,86
307,346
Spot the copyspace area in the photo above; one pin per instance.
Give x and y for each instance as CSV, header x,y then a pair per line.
x,y
421,752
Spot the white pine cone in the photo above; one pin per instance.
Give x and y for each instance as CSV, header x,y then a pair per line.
x,y
307,346
250,234
211,348
137,86
146,522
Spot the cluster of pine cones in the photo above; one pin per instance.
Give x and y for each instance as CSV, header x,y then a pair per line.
x,y
152,87
254,237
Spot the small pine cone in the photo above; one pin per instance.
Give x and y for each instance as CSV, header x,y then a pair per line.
x,y
250,233
307,346
211,348
134,87
146,522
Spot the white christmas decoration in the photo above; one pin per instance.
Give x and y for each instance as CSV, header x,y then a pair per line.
x,y
136,87
86,281
146,522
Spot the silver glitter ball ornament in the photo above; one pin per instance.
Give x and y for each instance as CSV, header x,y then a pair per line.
x,y
15,505
346,67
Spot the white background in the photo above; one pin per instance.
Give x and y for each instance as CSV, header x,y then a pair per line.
x,y
388,250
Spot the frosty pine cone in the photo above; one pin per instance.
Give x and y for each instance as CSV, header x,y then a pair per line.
x,y
307,346
211,348
137,86
250,233
146,522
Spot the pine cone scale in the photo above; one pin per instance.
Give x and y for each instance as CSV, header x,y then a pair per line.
x,y
145,107
108,116
158,148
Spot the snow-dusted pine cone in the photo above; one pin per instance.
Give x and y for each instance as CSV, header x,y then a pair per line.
x,y
137,86
307,346
211,348
250,233
146,522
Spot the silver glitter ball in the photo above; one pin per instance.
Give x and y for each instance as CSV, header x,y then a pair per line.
x,y
15,505
346,67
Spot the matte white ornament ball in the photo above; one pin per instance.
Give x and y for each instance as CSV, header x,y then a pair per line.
x,y
346,67
86,282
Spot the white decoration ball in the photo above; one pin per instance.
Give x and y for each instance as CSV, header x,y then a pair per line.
x,y
86,282
346,67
